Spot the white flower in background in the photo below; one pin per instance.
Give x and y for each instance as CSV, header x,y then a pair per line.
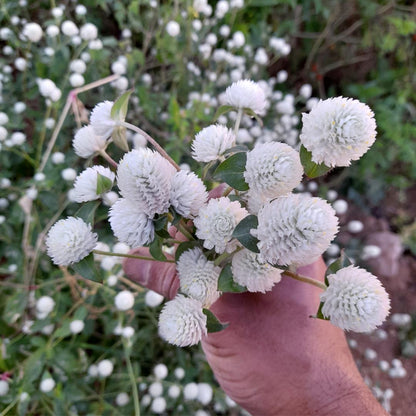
x,y
86,142
124,300
3,133
85,186
128,332
305,91
4,118
76,80
47,385
179,373
216,222
158,405
340,206
88,31
69,241
69,28
130,224
76,326
20,64
338,130
205,393
52,31
188,194
4,387
122,398
153,299
69,174
78,66
190,391
211,142
145,177
182,321
198,276
105,368
101,120
246,94
256,275
33,32
295,229
156,389
174,391
273,169
173,29
355,300
44,306
160,371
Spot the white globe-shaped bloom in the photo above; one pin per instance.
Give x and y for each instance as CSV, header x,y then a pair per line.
x,y
45,305
190,391
76,326
122,399
101,120
205,393
179,373
145,177
246,94
355,300
338,130
158,405
153,299
182,321
86,142
216,222
124,300
85,186
174,391
160,371
173,29
88,31
156,389
188,194
78,66
52,31
295,229
105,368
4,387
273,169
128,332
76,80
211,142
69,28
130,224
33,32
198,276
256,275
69,241
47,385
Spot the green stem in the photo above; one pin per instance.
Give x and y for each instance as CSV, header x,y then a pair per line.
x,y
238,121
130,256
182,228
305,279
225,256
227,191
133,381
43,134
9,407
108,158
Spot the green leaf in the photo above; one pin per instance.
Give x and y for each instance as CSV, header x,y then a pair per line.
x,y
319,314
231,171
120,139
104,184
33,367
176,217
15,306
242,233
213,324
87,211
160,222
340,263
187,245
251,113
119,108
155,249
237,149
312,170
86,268
226,282
81,313
64,330
223,110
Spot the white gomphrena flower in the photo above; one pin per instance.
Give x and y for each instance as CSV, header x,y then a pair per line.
x,y
179,373
190,391
273,169
45,305
78,66
338,130
122,398
174,391
198,276
144,177
69,241
4,387
355,300
47,385
153,299
160,371
211,142
101,120
205,393
156,389
86,142
182,321
105,368
173,29
256,275
216,222
69,28
88,31
124,300
158,405
130,224
85,186
295,229
76,326
188,194
246,94
33,32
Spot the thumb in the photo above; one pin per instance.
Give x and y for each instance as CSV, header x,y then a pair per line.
x,y
155,275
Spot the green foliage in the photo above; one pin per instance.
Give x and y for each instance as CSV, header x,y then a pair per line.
x,y
312,169
231,171
226,282
242,233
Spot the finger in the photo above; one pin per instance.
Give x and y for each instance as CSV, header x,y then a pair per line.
x,y
158,276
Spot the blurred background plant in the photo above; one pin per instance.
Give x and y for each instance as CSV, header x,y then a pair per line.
x,y
178,57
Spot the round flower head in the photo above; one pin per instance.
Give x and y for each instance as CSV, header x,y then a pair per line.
x,y
295,229
33,32
101,120
85,186
198,276
338,130
130,224
145,177
246,94
124,300
86,142
69,241
182,321
211,142
216,222
249,271
188,194
355,300
47,385
273,169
